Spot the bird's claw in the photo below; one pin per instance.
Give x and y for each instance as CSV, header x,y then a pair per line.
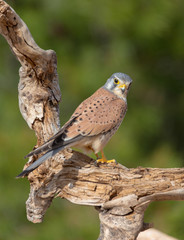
x,y
102,160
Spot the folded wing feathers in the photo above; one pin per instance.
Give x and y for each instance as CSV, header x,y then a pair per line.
x,y
49,144
39,161
92,124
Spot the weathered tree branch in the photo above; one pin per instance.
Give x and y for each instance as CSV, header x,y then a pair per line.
x,y
120,195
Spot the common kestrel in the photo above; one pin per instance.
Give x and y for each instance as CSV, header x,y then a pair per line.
x,y
92,124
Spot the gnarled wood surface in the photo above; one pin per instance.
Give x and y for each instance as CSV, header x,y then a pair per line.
x,y
120,195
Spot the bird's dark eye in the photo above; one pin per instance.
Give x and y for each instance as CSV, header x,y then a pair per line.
x,y
116,81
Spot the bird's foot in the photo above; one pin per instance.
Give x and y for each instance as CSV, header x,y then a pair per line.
x,y
102,160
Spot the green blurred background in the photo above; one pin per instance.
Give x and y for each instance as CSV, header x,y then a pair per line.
x,y
94,39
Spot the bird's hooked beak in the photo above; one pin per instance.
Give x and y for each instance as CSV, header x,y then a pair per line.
x,y
122,87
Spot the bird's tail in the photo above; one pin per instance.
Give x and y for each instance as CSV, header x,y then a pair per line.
x,y
39,161
55,144
45,147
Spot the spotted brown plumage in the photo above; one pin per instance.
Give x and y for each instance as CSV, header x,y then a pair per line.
x,y
92,124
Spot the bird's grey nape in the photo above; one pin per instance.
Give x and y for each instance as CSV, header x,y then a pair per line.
x,y
109,84
120,76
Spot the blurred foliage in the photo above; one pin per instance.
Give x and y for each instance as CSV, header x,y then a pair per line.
x,y
92,40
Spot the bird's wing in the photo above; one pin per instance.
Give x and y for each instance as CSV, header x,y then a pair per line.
x,y
99,114
52,141
51,147
38,162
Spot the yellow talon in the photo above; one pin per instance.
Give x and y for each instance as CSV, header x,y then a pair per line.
x,y
101,160
104,159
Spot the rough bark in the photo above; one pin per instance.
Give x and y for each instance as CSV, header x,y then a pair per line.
x,y
120,195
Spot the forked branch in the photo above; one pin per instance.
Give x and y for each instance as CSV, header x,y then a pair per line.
x,y
120,195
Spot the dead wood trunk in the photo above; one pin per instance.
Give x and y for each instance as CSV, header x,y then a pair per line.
x,y
120,195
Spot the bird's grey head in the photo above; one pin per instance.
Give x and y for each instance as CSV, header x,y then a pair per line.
x,y
119,84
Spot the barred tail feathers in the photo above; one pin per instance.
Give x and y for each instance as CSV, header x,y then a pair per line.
x,y
39,161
